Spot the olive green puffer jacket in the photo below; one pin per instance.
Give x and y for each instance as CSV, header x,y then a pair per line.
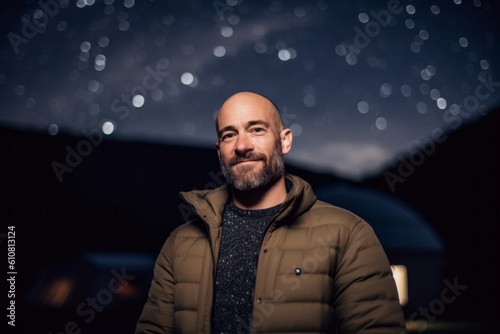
x,y
321,269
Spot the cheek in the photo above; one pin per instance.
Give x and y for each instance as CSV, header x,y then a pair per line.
x,y
224,154
264,144
267,148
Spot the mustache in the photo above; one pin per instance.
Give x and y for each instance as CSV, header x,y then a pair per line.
x,y
248,156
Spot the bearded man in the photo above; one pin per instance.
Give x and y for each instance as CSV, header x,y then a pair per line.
x,y
263,255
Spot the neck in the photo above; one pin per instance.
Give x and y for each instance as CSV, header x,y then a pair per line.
x,y
261,198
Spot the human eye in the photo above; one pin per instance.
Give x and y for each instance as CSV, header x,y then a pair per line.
x,y
226,137
258,130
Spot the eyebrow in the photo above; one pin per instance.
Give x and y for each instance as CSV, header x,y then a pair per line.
x,y
249,124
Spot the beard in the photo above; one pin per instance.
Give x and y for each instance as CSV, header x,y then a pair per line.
x,y
246,178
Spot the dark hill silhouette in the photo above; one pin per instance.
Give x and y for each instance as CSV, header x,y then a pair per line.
x,y
457,188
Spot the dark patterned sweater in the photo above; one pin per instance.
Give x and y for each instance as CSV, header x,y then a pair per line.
x,y
242,233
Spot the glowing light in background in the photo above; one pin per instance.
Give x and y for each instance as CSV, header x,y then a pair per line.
x,y
85,46
385,90
226,31
219,51
103,42
381,123
400,274
108,127
56,292
363,17
464,42
53,129
441,103
189,79
284,55
363,107
138,101
410,24
406,91
100,62
422,107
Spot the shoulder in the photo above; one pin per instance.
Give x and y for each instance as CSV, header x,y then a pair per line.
x,y
192,229
344,229
324,220
323,213
188,239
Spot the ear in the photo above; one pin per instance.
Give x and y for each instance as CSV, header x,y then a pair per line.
x,y
286,140
217,146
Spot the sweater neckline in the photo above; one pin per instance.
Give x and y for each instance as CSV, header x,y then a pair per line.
x,y
253,213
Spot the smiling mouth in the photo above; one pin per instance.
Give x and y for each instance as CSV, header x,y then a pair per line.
x,y
245,161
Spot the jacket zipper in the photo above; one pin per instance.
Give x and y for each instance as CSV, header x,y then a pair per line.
x,y
212,253
211,246
266,236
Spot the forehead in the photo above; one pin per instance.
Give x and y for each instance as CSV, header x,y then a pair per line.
x,y
241,109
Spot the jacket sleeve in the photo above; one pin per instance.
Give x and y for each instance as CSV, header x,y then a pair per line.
x,y
158,313
366,298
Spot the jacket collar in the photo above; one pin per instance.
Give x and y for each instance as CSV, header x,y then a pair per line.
x,y
209,204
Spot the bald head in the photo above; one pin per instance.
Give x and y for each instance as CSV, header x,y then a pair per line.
x,y
248,103
251,143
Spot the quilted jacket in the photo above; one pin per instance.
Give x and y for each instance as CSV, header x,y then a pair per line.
x,y
321,269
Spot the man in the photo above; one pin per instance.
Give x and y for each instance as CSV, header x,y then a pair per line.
x,y
263,254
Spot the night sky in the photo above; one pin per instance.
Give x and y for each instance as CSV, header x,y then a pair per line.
x,y
358,82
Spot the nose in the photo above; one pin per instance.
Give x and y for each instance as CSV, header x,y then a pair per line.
x,y
243,144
